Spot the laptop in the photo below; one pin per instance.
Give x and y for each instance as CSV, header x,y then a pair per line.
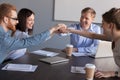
x,y
104,50
54,60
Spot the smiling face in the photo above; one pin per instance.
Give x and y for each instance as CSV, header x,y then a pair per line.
x,y
30,21
26,20
86,19
111,23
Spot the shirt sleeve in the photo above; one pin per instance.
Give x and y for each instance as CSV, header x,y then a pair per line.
x,y
90,49
94,45
11,43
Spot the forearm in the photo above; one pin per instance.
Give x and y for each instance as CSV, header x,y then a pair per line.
x,y
52,31
13,43
90,34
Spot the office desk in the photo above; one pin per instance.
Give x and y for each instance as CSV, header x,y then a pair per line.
x,y
59,71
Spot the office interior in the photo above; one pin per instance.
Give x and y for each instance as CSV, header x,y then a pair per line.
x,y
44,19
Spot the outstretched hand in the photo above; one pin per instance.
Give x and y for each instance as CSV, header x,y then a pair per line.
x,y
63,29
104,74
58,28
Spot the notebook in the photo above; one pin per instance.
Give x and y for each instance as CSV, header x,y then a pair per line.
x,y
45,53
104,50
54,60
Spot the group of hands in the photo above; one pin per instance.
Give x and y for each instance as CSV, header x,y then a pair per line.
x,y
60,28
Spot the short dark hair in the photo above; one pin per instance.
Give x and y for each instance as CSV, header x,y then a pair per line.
x,y
89,10
23,14
112,16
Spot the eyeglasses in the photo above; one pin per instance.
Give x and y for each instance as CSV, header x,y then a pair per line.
x,y
13,18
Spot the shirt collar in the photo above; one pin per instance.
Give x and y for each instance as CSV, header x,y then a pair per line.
x,y
3,31
90,28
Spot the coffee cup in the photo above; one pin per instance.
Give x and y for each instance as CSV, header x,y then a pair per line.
x,y
69,49
90,70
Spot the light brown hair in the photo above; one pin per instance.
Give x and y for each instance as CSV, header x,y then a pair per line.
x,y
5,10
89,10
112,16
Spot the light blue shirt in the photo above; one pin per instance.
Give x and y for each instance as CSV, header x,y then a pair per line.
x,y
84,44
8,43
20,52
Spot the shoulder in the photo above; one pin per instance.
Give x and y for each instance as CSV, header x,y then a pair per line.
x,y
75,25
20,34
2,31
95,27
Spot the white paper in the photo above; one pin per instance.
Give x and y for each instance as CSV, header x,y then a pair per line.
x,y
82,54
20,67
79,54
77,69
45,53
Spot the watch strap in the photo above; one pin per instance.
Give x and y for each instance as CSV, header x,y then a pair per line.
x,y
116,73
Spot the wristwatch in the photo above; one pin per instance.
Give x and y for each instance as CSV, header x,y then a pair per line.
x,y
116,73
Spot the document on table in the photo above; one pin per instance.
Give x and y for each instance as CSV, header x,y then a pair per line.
x,y
77,69
20,67
45,53
81,54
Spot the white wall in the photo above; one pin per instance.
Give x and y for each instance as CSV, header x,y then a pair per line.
x,y
70,10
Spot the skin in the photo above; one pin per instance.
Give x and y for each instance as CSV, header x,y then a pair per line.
x,y
105,36
30,21
86,20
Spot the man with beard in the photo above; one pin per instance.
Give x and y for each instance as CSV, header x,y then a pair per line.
x,y
8,20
